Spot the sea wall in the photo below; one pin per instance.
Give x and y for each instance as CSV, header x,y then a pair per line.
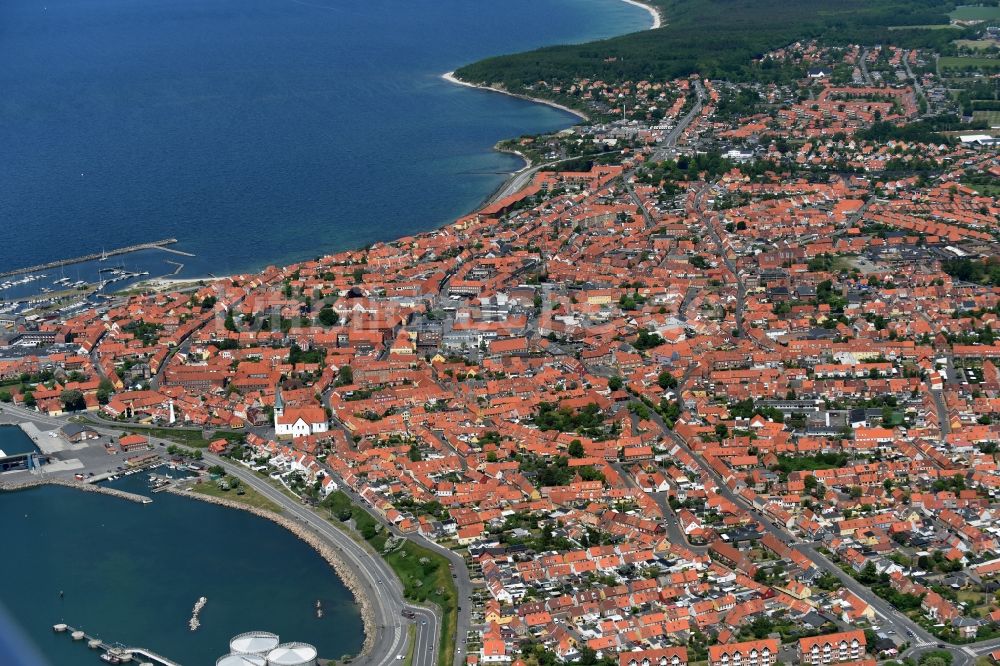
x,y
344,571
10,486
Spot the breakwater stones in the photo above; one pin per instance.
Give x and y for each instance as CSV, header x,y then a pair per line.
x,y
344,571
85,487
194,622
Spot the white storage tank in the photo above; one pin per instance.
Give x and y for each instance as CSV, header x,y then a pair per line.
x,y
254,642
241,660
292,654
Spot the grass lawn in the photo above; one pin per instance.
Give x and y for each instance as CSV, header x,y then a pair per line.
x,y
190,438
992,118
975,13
979,44
411,634
970,596
986,190
426,575
961,63
250,497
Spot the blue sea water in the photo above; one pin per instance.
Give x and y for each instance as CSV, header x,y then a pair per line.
x,y
131,573
14,441
257,131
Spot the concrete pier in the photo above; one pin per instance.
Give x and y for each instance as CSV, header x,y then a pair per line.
x,y
126,654
95,255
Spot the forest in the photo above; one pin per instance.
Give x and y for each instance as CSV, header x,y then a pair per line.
x,y
721,39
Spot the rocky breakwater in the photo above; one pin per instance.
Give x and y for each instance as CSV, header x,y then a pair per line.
x,y
344,571
77,485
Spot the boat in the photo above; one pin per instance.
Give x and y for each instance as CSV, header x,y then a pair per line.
x,y
111,658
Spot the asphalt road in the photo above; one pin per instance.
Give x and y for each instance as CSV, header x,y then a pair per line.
x,y
668,143
379,582
463,584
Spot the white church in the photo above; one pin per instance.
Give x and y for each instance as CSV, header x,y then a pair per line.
x,y
297,421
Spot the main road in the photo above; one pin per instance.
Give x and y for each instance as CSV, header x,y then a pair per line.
x,y
379,583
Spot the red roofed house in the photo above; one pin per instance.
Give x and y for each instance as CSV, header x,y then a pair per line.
x,y
832,648
671,656
747,653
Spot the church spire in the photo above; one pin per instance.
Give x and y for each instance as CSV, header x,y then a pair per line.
x,y
279,403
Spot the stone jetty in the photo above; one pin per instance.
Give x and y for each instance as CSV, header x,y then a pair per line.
x,y
11,486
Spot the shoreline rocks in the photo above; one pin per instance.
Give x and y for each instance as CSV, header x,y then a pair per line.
x,y
343,570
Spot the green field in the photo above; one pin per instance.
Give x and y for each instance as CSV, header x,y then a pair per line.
x,y
961,63
992,118
250,497
190,438
975,13
976,44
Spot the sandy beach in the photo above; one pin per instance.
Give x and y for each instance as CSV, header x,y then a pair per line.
x,y
654,12
450,78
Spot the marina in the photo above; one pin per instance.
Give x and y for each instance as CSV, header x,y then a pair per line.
x,y
101,256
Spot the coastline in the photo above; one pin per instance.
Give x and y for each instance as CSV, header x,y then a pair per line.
x,y
451,78
342,570
653,11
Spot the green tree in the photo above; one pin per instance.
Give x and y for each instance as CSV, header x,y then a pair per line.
x,y
328,317
575,449
614,383
666,380
104,390
72,400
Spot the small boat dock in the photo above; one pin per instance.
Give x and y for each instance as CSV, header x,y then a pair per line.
x,y
114,653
